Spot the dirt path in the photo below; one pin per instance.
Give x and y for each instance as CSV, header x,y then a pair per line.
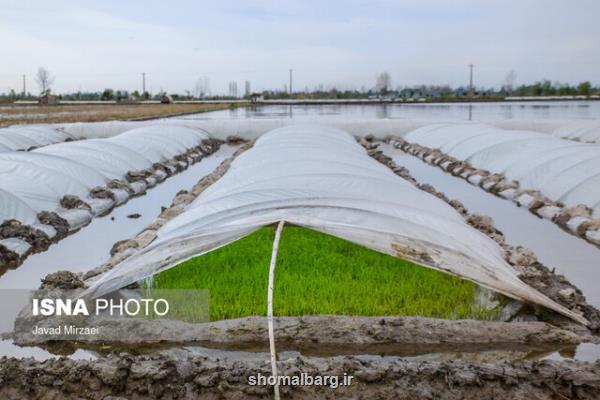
x,y
44,114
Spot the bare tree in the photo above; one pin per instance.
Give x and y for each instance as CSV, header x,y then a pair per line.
x,y
44,80
383,83
202,88
509,81
247,89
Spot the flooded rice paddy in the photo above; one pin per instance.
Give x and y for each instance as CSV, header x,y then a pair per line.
x,y
530,110
571,256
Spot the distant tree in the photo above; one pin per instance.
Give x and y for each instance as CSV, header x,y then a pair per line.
x,y
121,95
564,90
135,94
548,89
383,83
44,80
584,88
536,89
247,89
509,81
108,94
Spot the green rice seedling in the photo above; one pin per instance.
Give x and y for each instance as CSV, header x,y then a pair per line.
x,y
320,274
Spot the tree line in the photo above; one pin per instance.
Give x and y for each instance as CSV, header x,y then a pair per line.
x,y
382,88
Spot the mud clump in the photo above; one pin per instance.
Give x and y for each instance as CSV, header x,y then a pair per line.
x,y
234,139
209,146
123,245
183,197
134,216
57,222
71,202
162,167
404,173
458,206
100,192
570,212
591,225
8,258
64,280
118,184
521,256
135,176
485,224
14,229
430,189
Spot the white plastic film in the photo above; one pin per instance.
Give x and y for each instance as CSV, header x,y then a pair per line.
x,y
37,180
562,170
322,179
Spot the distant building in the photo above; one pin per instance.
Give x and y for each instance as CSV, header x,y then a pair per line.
x,y
166,99
48,98
256,98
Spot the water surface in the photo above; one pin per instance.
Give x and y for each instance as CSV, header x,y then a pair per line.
x,y
492,111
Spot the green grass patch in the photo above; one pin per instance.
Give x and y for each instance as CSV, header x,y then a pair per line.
x,y
320,274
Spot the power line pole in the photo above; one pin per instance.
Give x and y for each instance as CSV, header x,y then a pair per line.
x,y
291,72
143,83
24,86
471,80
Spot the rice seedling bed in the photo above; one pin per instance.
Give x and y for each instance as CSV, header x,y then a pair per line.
x,y
320,274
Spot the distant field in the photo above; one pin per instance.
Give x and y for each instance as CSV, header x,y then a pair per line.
x,y
320,274
34,114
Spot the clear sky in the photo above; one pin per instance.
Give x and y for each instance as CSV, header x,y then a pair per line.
x,y
94,45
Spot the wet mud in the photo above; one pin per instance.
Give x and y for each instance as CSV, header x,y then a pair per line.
x,y
179,375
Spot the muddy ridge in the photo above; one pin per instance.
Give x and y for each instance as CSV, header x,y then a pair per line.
x,y
178,375
314,329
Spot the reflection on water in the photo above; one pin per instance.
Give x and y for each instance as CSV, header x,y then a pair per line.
x,y
479,352
440,111
584,352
